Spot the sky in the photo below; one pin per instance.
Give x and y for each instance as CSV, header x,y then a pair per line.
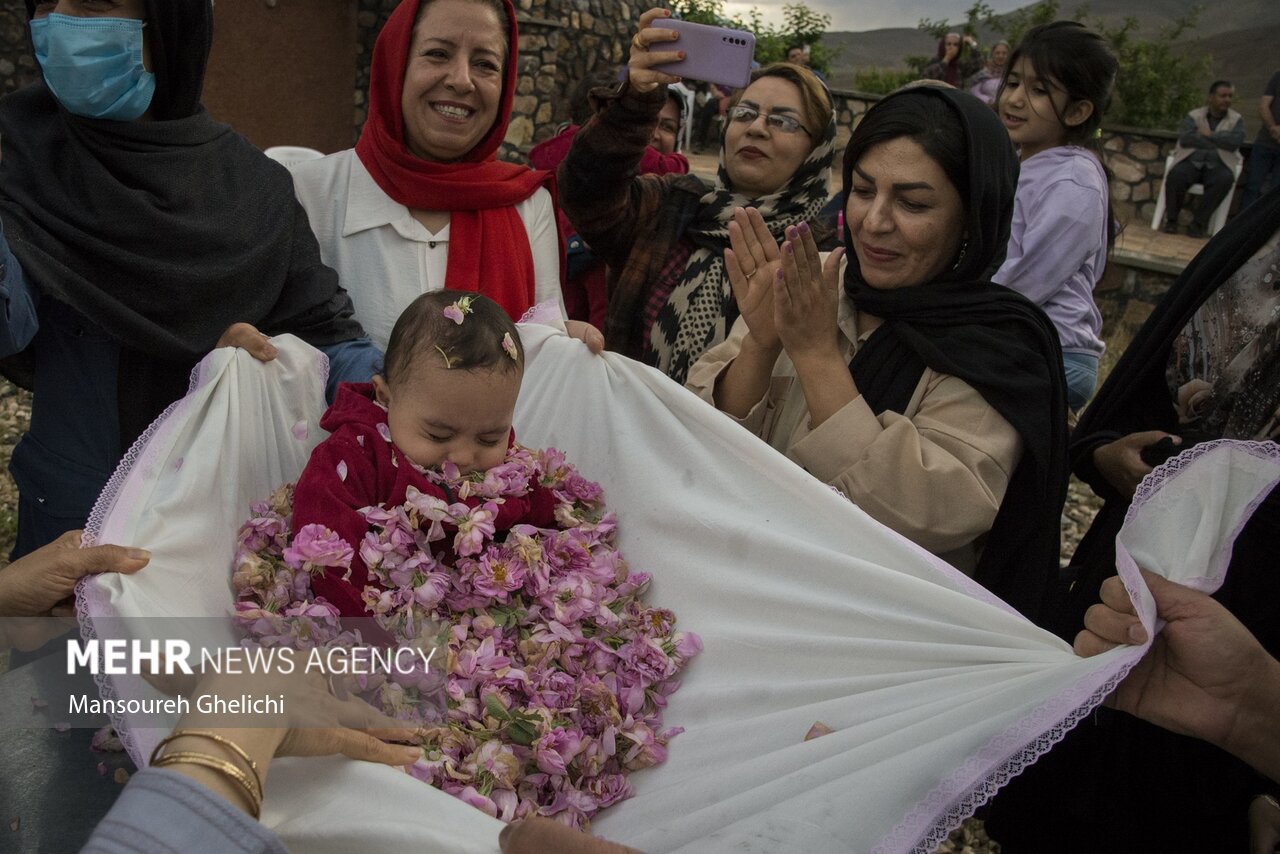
x,y
858,15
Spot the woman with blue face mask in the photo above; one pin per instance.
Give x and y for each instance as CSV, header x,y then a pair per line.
x,y
143,234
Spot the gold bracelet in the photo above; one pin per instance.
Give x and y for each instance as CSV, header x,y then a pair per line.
x,y
225,742
222,766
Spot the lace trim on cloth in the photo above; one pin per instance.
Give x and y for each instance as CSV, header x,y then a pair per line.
x,y
92,601
546,312
956,798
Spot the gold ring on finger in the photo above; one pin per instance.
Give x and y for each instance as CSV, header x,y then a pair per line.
x,y
637,43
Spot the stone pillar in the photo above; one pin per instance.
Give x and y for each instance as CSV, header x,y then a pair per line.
x,y
17,66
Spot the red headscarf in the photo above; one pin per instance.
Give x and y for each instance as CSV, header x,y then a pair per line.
x,y
489,247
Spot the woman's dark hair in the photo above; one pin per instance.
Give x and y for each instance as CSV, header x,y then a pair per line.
x,y
496,5
1078,61
477,343
942,45
929,122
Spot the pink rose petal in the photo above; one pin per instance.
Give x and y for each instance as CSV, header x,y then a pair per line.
x,y
300,430
818,730
342,470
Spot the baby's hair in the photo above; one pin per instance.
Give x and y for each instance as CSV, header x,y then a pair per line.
x,y
485,339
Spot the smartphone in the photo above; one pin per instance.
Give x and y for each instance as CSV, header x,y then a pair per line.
x,y
714,54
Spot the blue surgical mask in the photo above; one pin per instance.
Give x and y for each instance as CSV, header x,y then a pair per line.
x,y
94,65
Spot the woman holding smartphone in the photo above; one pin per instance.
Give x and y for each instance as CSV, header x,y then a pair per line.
x,y
664,237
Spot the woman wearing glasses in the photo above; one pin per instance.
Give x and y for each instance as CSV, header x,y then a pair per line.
x,y
664,237
900,375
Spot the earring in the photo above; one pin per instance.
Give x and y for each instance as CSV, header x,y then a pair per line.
x,y
964,247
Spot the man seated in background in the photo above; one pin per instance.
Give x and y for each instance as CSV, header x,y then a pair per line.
x,y
1208,153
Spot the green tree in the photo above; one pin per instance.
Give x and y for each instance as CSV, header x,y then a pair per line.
x,y
882,81
802,25
1158,80
700,11
805,26
1014,25
976,15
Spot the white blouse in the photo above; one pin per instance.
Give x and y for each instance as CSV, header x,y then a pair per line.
x,y
384,257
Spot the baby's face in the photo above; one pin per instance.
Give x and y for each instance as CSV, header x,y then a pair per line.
x,y
438,415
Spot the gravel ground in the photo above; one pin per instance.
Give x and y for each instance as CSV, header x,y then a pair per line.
x,y
15,411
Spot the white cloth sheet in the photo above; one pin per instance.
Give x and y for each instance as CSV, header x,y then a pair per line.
x,y
809,611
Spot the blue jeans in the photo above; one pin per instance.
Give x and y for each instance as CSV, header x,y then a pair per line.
x,y
1264,163
1082,377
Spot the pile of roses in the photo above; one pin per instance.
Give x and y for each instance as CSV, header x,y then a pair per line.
x,y
557,672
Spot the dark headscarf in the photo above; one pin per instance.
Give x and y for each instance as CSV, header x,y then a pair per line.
x,y
165,232
992,338
1136,396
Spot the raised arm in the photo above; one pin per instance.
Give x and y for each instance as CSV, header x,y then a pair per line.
x,y
601,190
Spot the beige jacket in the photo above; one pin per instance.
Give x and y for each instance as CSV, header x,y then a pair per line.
x,y
935,473
1199,118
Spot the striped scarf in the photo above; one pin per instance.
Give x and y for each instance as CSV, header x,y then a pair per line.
x,y
701,307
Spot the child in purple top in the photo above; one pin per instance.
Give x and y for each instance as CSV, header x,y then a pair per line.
x,y
1058,84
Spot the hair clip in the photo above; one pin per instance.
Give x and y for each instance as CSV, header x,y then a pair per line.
x,y
457,310
448,363
509,347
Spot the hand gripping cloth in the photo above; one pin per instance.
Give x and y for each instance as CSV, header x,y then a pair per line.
x,y
937,692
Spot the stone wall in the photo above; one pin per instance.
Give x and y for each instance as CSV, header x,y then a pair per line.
x,y
1135,157
563,40
1136,160
17,68
560,42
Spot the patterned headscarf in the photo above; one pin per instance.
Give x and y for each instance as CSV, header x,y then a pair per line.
x,y
701,308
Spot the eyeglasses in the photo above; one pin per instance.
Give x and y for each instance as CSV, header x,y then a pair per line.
x,y
780,122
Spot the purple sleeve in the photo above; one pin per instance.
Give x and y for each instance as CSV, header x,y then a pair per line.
x,y
1057,236
163,811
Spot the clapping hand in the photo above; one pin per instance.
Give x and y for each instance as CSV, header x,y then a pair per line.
x,y
753,263
807,297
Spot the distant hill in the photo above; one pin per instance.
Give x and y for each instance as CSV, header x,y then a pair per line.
x,y
1247,58
1241,36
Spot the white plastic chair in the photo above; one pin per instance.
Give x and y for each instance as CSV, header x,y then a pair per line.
x,y
288,155
1219,218
686,127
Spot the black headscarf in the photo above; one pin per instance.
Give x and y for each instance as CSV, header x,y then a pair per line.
x,y
995,340
165,232
1136,395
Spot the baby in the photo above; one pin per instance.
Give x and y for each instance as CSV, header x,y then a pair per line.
x,y
447,394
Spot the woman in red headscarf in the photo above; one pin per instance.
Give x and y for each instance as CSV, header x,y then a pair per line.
x,y
421,203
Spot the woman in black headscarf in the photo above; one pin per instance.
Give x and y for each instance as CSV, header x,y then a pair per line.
x,y
1205,366
147,234
928,395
